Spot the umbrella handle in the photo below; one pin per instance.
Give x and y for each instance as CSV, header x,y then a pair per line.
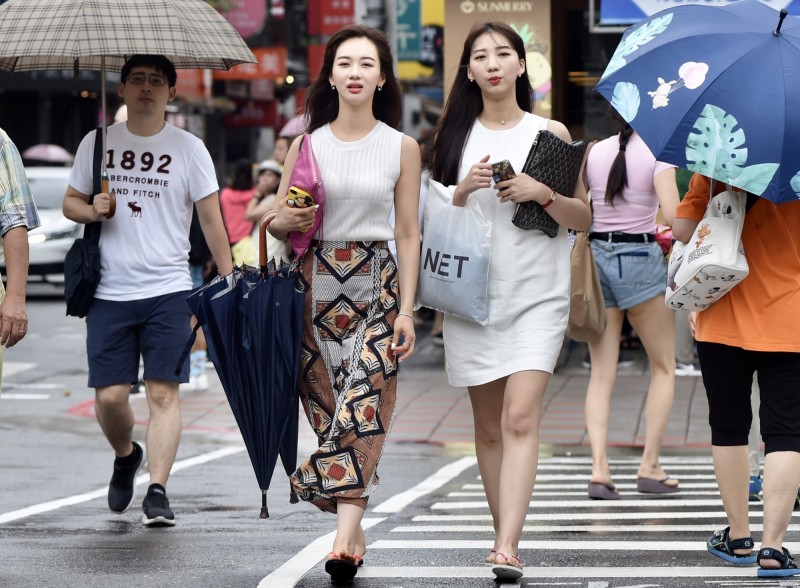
x,y
262,238
113,201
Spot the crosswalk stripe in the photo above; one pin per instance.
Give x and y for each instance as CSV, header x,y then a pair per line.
x,y
589,516
709,467
561,572
570,528
552,545
583,485
583,477
547,491
613,504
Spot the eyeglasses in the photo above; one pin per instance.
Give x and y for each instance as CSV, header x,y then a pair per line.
x,y
137,79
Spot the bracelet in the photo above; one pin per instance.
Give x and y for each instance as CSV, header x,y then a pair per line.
x,y
551,199
406,314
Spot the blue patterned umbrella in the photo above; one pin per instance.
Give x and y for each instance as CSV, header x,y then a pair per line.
x,y
714,89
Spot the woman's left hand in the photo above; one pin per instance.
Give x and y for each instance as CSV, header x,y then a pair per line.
x,y
404,337
521,189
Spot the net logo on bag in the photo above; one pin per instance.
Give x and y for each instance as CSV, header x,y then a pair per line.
x,y
439,263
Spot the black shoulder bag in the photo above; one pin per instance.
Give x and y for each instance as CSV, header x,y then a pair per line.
x,y
82,264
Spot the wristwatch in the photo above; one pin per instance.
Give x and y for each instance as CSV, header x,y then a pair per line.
x,y
551,199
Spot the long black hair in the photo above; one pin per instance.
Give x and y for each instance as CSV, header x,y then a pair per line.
x,y
465,103
242,175
618,174
322,103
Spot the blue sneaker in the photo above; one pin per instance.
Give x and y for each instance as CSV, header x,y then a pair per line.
x,y
755,489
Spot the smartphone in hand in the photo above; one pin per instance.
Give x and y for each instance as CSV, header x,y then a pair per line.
x,y
502,170
299,198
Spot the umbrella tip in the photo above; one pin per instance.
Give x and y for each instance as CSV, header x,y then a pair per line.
x,y
264,513
293,498
782,16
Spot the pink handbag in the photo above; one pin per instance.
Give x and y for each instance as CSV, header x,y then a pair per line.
x,y
305,175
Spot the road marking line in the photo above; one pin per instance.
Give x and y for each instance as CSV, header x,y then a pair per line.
x,y
294,569
709,467
400,501
571,572
298,566
14,367
576,477
15,386
18,396
657,502
86,497
628,460
633,545
582,486
591,516
568,528
539,491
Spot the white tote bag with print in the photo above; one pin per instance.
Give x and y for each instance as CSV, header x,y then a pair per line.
x,y
456,250
706,268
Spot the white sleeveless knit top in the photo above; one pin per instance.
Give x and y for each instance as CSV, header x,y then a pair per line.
x,y
359,179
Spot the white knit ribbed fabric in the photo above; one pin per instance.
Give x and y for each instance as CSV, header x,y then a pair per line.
x,y
359,179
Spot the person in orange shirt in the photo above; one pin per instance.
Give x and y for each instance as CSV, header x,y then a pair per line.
x,y
754,328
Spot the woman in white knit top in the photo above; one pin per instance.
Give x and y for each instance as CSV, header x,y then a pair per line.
x,y
358,318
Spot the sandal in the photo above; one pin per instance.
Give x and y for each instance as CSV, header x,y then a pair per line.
x,y
509,571
723,547
341,567
788,565
489,561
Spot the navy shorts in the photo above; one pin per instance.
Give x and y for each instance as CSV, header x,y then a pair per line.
x,y
728,379
119,332
630,273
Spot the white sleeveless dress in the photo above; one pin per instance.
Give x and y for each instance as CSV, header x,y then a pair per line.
x,y
528,278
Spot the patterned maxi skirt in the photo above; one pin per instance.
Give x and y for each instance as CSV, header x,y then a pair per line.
x,y
348,374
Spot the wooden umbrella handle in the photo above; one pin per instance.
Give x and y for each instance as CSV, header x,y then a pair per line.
x,y
112,203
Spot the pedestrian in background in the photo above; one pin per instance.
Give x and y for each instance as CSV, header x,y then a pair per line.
x,y
18,215
627,185
358,313
269,174
755,328
281,148
506,364
139,309
234,201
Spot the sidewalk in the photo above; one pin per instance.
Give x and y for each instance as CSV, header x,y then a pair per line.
x,y
430,411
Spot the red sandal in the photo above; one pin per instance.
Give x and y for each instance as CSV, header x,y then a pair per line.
x,y
511,570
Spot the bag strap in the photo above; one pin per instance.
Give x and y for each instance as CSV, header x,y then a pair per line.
x,y
92,230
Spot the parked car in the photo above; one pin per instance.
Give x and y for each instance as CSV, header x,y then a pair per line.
x,y
50,242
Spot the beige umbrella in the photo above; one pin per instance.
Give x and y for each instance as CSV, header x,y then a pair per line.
x,y
101,34
46,152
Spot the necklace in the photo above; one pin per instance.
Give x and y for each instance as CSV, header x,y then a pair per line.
x,y
503,121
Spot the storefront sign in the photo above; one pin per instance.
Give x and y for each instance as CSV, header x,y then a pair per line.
x,y
271,66
246,16
325,17
616,12
408,30
253,113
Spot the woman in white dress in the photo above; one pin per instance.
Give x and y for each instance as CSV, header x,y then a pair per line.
x,y
506,364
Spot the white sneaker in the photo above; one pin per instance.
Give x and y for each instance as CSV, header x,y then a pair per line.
x,y
687,369
195,384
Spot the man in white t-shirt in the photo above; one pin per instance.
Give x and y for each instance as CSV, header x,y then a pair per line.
x,y
157,173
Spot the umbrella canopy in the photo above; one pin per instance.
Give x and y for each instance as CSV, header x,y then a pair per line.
x,y
45,152
714,89
296,126
45,35
253,323
103,34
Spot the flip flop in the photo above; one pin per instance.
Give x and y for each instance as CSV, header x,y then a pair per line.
x,y
598,491
651,486
507,572
341,570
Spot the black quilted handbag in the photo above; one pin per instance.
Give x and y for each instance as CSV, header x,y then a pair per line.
x,y
557,164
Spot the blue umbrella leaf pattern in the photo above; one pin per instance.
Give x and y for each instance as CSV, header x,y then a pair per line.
x,y
716,150
641,36
795,184
626,100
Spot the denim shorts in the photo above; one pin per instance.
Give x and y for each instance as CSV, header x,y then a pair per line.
x,y
630,273
118,332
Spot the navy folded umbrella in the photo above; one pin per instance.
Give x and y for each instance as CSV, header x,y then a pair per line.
x,y
253,322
